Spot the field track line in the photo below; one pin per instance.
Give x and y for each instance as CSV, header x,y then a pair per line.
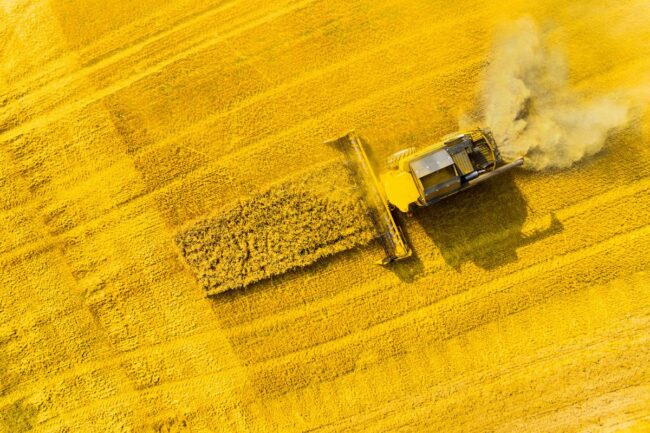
x,y
181,24
277,90
125,51
73,56
350,106
272,92
119,85
477,377
43,246
617,391
566,350
309,148
259,144
248,149
378,329
117,55
539,223
61,111
92,366
266,140
56,113
623,424
495,285
471,295
413,412
226,371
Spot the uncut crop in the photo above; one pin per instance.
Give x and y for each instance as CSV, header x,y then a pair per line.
x,y
290,225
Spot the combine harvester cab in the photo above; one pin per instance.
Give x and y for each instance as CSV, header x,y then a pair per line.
x,y
419,177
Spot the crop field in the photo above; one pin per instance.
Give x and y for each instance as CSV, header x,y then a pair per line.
x,y
181,252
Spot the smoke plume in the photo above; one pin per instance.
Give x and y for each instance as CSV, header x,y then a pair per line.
x,y
530,108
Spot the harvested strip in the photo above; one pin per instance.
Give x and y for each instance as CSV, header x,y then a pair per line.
x,y
290,225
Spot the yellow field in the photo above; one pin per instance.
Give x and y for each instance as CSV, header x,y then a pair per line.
x,y
125,125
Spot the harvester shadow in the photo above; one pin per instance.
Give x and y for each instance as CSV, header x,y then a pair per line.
x,y
482,225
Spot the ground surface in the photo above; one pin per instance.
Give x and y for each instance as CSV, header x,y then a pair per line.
x,y
527,308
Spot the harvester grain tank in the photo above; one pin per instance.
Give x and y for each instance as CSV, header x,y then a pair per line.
x,y
419,178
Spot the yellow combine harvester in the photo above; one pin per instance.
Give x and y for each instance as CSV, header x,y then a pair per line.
x,y
420,178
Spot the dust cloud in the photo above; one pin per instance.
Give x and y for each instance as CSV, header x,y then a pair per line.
x,y
532,111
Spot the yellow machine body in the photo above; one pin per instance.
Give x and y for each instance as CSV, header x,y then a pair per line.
x,y
420,178
441,169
